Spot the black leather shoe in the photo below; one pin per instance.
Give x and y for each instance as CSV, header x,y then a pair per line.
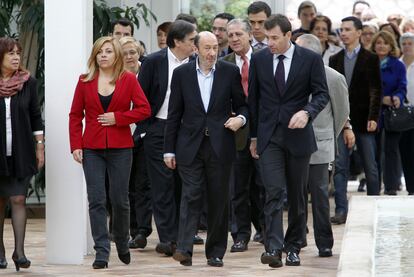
x,y
362,183
239,246
338,219
258,237
99,264
3,263
390,192
125,258
325,252
292,259
184,258
198,240
272,258
167,249
139,241
217,262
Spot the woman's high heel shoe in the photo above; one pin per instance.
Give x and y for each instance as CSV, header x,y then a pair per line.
x,y
3,263
22,262
99,264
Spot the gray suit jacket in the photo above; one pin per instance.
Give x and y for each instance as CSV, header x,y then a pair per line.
x,y
330,121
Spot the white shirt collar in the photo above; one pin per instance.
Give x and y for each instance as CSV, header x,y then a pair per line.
x,y
248,54
172,57
288,53
201,71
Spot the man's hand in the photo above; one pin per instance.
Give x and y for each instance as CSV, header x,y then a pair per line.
x,y
349,138
371,126
386,100
40,155
170,162
299,120
253,149
234,123
78,155
107,119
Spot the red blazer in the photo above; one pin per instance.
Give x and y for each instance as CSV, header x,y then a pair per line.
x,y
86,104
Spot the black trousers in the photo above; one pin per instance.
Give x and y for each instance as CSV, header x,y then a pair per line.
x,y
208,176
140,194
280,170
318,187
247,196
164,184
407,158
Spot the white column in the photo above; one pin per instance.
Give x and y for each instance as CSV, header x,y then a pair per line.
x,y
68,41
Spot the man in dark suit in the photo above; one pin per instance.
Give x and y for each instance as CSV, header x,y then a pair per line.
x,y
361,69
247,197
281,79
155,78
199,140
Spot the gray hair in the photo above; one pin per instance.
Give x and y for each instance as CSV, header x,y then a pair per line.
x,y
310,42
243,22
406,36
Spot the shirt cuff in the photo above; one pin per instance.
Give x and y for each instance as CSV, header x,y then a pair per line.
x,y
243,118
36,133
254,139
169,155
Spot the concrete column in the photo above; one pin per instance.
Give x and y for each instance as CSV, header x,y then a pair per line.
x,y
68,41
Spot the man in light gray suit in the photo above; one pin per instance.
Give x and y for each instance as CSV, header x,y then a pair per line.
x,y
327,127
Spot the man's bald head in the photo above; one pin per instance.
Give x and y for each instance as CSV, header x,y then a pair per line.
x,y
205,35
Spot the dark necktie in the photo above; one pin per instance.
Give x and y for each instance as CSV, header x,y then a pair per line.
x,y
280,75
245,74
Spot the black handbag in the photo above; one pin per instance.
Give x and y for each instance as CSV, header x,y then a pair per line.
x,y
399,120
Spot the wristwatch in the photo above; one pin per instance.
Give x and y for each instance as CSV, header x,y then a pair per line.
x,y
40,142
348,127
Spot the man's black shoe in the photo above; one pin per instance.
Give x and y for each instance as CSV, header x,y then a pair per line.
x,y
217,262
338,219
185,259
325,252
139,241
239,246
272,258
167,249
292,259
198,240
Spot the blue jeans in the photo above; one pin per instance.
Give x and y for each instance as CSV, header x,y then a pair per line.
x,y
367,148
118,164
341,176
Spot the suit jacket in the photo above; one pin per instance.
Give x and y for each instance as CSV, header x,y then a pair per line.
x,y
187,118
86,104
364,89
269,109
242,134
331,120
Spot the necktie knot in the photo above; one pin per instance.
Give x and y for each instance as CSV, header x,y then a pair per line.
x,y
244,58
281,58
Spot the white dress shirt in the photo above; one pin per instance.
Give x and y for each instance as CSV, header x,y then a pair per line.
x,y
239,60
287,61
410,82
173,63
256,42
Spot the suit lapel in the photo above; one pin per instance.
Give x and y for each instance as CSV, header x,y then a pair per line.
x,y
216,81
268,68
163,73
194,80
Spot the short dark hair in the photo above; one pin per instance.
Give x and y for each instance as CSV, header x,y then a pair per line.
x,y
178,30
227,16
124,22
359,2
6,45
305,5
278,20
165,26
187,17
357,22
322,18
259,6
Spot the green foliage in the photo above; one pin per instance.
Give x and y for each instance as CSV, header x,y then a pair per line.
x,y
103,15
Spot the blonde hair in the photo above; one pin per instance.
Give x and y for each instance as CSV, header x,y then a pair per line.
x,y
125,40
388,39
93,67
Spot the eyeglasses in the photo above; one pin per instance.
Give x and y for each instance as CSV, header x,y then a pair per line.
x,y
368,34
220,29
130,53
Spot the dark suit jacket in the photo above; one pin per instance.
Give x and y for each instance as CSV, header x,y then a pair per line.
x,y
365,88
187,118
269,109
242,134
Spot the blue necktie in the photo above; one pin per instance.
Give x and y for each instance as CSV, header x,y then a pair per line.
x,y
280,75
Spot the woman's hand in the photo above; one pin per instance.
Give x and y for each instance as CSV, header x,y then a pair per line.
x,y
387,100
40,155
396,101
78,155
107,119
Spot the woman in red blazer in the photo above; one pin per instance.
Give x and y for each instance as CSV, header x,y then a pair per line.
x,y
103,98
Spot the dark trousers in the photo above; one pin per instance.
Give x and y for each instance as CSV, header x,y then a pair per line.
x,y
163,184
407,158
280,170
140,194
318,187
245,200
392,164
206,176
117,162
